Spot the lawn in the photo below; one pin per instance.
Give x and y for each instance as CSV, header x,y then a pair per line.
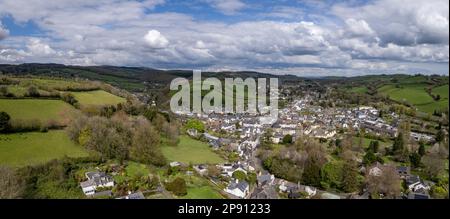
x,y
98,97
192,151
202,192
31,148
366,142
43,110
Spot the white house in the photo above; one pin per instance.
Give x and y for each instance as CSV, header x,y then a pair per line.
x,y
96,180
238,188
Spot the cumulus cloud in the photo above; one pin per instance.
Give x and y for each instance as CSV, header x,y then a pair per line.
x,y
358,27
155,39
36,47
402,22
375,37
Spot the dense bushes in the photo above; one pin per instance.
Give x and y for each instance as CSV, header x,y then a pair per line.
x,y
177,186
120,137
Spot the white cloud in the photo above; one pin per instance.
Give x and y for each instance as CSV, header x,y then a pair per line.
x,y
36,47
402,22
113,32
3,32
359,27
155,39
228,7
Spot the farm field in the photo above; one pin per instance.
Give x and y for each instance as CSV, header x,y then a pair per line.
x,y
441,90
416,95
22,149
413,93
40,109
98,97
192,151
359,90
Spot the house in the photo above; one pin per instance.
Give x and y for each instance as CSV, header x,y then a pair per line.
x,y
266,192
265,179
414,184
238,188
96,180
202,169
192,133
174,164
413,195
376,170
403,171
136,195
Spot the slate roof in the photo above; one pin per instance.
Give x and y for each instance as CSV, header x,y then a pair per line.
x,y
241,185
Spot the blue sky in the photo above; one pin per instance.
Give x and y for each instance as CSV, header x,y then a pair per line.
x,y
308,37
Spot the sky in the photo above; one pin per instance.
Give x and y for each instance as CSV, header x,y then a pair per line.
x,y
306,38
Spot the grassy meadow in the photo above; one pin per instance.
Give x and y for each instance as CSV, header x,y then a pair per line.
x,y
192,151
21,149
416,94
37,109
97,97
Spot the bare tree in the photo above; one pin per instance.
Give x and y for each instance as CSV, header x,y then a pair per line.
x,y
434,165
387,183
10,184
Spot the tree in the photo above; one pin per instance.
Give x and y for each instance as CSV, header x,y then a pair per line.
x,y
70,99
440,135
3,90
369,158
145,144
388,183
414,158
373,146
312,173
213,171
350,176
422,150
287,139
399,143
33,92
177,186
266,141
4,121
10,184
240,175
434,165
196,124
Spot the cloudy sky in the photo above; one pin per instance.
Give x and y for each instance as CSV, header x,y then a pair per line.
x,y
307,37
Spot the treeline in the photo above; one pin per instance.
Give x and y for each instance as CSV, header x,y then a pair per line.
x,y
8,125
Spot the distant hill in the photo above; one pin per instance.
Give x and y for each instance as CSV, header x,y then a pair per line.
x,y
130,78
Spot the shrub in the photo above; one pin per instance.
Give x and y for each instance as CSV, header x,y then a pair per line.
x,y
177,186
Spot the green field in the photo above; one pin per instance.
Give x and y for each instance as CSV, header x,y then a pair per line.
x,y
40,109
31,148
98,97
202,192
192,151
366,142
416,94
359,90
441,90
